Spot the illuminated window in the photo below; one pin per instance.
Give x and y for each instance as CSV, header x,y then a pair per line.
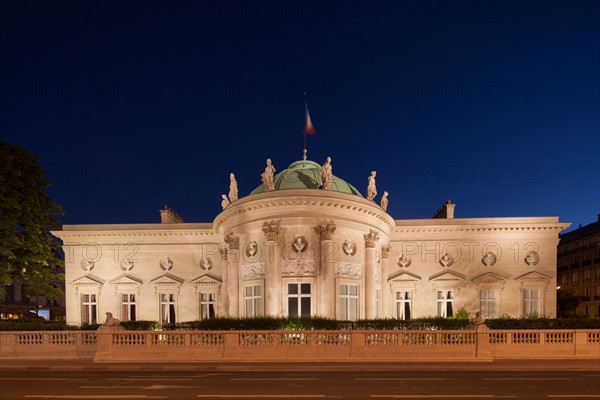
x,y
208,305
487,303
128,307
403,305
348,302
167,308
531,302
88,309
253,300
299,299
445,299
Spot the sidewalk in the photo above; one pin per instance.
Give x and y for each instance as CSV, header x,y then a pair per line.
x,y
497,365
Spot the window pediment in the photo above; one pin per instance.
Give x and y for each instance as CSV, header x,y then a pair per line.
x,y
534,277
88,281
489,277
447,276
207,281
404,276
126,282
166,282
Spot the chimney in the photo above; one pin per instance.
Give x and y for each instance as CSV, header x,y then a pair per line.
x,y
445,211
169,216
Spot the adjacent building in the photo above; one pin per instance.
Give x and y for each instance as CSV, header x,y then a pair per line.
x,y
579,270
298,245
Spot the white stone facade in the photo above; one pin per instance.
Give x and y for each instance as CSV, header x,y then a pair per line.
x,y
315,252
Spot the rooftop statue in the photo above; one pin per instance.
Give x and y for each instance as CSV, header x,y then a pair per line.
x,y
233,188
327,174
384,201
267,176
225,202
371,188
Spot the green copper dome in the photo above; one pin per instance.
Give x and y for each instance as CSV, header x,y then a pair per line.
x,y
305,174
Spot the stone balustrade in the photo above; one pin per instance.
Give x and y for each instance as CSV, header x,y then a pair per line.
x,y
477,345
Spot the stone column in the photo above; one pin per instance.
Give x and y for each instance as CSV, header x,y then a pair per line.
x,y
371,239
386,294
326,301
272,269
233,281
223,305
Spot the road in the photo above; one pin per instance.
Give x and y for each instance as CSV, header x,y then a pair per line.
x,y
261,381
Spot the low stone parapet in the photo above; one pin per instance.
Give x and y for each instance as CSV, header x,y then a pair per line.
x,y
479,344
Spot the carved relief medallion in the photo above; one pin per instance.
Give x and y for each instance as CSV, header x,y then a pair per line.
x,y
489,259
298,268
206,263
87,264
251,249
349,270
166,264
300,244
447,260
532,258
349,247
127,264
253,271
404,261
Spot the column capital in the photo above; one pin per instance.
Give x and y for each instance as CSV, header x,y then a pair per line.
x,y
371,238
325,230
271,230
232,241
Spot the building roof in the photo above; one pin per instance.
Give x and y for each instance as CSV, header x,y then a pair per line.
x,y
306,174
581,233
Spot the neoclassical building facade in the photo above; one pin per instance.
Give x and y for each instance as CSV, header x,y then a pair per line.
x,y
306,242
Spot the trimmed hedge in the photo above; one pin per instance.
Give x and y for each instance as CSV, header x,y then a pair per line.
x,y
543,323
140,325
318,323
12,325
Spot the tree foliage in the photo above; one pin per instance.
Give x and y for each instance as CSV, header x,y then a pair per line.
x,y
28,252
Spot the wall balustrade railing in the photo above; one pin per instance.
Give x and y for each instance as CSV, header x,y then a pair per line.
x,y
295,345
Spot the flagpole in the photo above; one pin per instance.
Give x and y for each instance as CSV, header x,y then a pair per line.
x,y
304,130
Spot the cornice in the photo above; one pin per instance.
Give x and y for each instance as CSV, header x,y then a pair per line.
x,y
303,198
137,233
482,228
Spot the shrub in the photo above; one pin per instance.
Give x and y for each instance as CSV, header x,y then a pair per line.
x,y
35,325
140,325
543,323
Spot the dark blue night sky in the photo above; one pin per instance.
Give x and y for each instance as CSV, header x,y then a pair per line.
x,y
131,105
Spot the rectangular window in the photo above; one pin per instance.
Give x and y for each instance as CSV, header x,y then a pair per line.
x,y
587,275
575,277
208,303
167,308
445,300
531,302
127,307
348,302
564,279
299,299
403,305
487,303
253,301
88,309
